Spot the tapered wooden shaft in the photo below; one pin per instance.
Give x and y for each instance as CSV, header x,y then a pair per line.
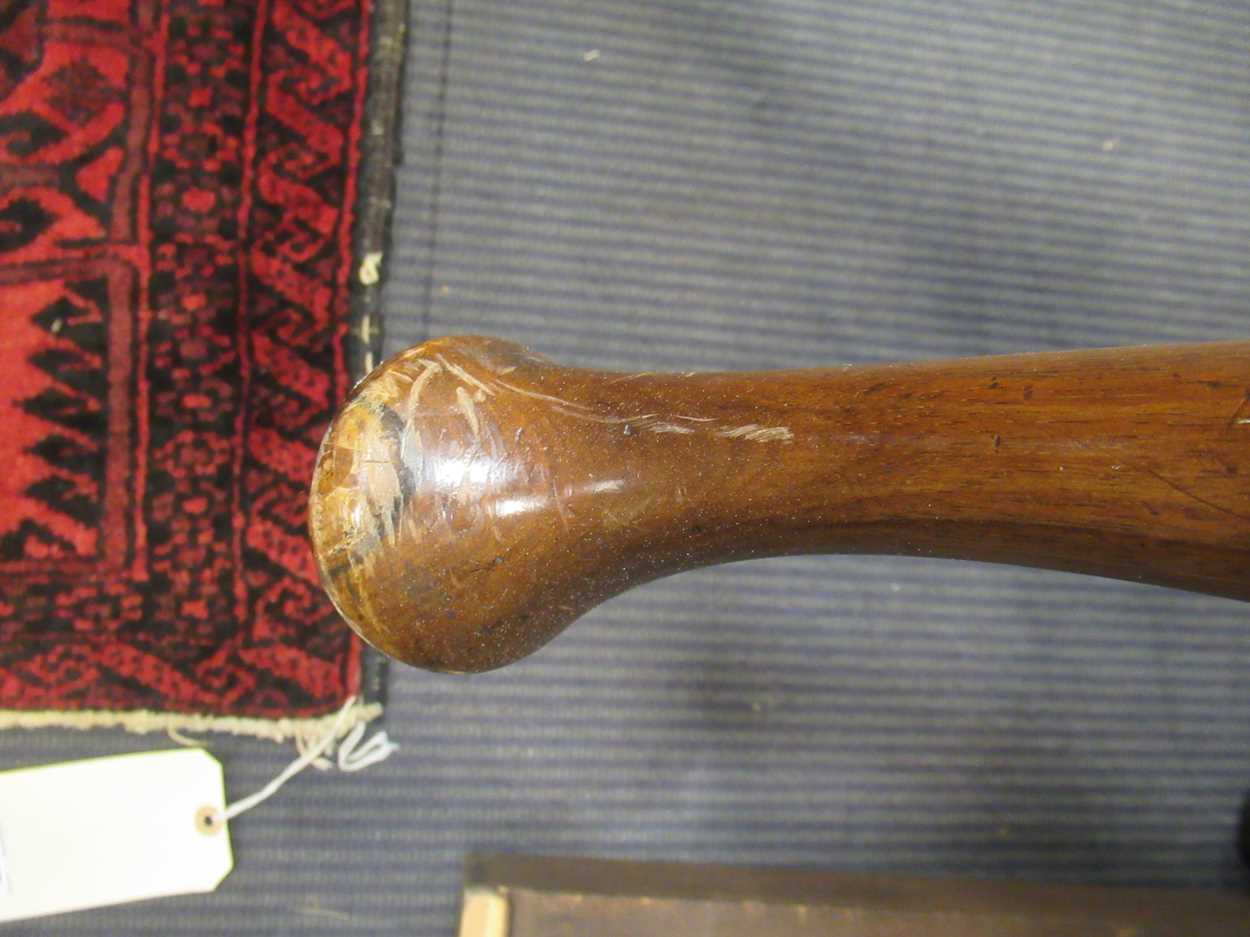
x,y
472,499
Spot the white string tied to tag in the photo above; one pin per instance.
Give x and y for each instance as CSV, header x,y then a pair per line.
x,y
349,759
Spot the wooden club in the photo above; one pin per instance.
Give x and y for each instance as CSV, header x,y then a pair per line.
x,y
472,499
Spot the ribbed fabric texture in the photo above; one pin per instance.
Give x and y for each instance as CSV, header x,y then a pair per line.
x,y
781,183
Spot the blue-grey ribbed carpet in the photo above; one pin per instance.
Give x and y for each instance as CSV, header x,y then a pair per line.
x,y
778,183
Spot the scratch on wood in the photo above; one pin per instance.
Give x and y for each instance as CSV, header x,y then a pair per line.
x,y
414,392
757,433
556,498
464,403
1237,419
651,421
383,493
535,395
659,426
1201,500
575,410
572,408
466,376
411,435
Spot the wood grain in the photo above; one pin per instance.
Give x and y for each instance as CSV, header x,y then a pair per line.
x,y
472,499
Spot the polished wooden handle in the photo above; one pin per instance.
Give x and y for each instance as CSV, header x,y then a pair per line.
x,y
472,499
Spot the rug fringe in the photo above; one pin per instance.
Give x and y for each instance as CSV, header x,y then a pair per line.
x,y
142,721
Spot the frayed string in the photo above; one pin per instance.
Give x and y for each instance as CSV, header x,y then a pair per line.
x,y
348,757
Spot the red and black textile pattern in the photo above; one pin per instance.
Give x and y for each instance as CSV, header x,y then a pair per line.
x,y
177,184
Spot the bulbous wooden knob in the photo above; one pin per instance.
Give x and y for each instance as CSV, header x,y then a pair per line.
x,y
472,499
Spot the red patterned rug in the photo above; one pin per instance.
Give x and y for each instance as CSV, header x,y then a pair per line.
x,y
178,221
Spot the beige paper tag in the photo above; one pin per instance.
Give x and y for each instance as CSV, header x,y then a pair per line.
x,y
109,830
